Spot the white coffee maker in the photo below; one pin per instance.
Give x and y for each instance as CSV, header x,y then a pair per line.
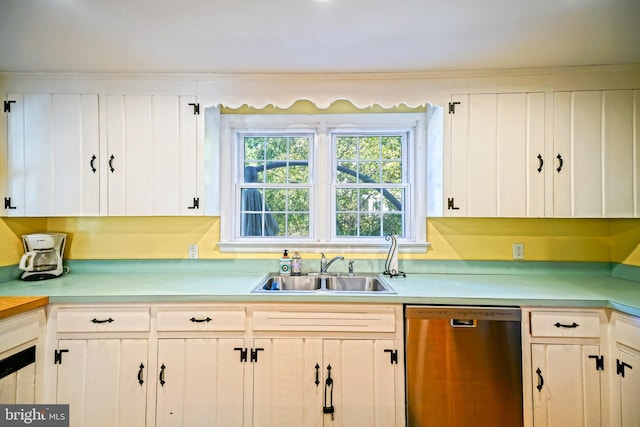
x,y
43,256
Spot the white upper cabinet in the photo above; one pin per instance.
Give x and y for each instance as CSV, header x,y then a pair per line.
x,y
53,149
152,155
496,156
88,155
596,153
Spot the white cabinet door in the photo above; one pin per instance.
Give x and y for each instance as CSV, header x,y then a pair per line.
x,y
628,384
594,146
288,382
496,160
104,381
151,155
201,382
53,150
566,385
363,388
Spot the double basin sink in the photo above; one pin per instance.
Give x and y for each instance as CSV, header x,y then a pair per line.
x,y
360,283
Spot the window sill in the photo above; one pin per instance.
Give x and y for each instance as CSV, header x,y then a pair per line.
x,y
316,247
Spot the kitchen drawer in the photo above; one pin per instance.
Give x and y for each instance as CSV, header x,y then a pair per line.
x,y
100,319
202,319
579,324
382,319
627,331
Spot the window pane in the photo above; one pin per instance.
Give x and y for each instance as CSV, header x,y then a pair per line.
x,y
370,225
298,200
347,172
369,172
392,224
298,225
392,172
392,147
277,148
346,147
393,199
299,148
346,199
253,148
370,200
346,224
369,148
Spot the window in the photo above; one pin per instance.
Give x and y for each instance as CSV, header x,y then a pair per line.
x,y
322,181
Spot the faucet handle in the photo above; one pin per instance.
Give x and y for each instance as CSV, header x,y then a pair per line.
x,y
351,267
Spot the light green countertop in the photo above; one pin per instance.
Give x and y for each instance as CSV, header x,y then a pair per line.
x,y
546,288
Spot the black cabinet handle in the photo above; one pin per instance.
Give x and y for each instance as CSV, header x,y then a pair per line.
x,y
196,203
559,157
328,390
562,325
207,320
109,320
140,374
111,159
91,163
620,367
317,375
243,353
540,380
161,377
540,163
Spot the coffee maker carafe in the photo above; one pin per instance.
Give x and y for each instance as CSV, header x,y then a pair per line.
x,y
43,256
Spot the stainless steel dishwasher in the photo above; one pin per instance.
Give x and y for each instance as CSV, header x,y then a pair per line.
x,y
464,366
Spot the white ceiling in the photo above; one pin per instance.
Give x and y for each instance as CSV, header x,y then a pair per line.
x,y
302,36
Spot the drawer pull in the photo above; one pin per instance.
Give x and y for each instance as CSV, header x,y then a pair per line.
x,y
194,320
109,320
561,325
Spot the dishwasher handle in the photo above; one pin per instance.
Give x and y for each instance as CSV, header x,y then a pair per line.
x,y
464,323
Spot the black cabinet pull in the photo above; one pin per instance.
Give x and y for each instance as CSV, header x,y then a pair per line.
x,y
317,375
91,163
451,204
540,380
562,325
111,159
109,320
328,389
161,377
559,157
540,163
207,320
140,374
393,355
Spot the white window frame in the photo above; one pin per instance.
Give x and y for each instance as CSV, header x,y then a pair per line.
x,y
323,160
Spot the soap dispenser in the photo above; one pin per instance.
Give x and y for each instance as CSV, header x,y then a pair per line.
x,y
296,264
285,264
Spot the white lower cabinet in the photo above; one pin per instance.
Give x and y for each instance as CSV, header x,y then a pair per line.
x,y
566,377
20,357
104,381
200,382
567,385
626,381
325,382
303,365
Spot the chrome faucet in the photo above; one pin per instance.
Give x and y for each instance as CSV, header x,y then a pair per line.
x,y
324,264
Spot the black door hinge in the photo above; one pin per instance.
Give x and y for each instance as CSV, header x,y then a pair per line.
x,y
620,366
254,354
196,108
196,203
243,353
7,203
7,106
57,356
393,355
450,204
452,107
599,361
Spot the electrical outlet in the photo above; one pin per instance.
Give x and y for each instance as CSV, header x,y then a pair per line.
x,y
518,251
193,251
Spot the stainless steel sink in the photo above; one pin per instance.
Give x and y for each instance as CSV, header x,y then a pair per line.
x,y
361,283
